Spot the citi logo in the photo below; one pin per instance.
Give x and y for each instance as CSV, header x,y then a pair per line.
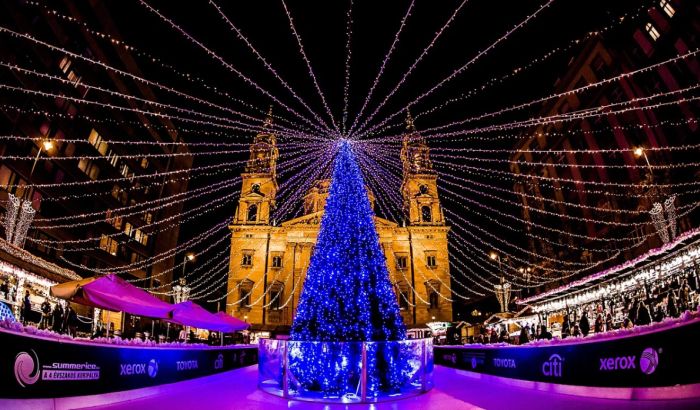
x,y
553,366
186,365
219,362
618,363
506,363
452,358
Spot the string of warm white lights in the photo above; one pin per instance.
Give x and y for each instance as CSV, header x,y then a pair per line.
x,y
158,105
121,72
247,80
412,67
615,22
382,67
262,59
574,91
348,59
147,57
308,66
458,71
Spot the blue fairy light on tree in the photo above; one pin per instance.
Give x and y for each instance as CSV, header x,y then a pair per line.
x,y
347,294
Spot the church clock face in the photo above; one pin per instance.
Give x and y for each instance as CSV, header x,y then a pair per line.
x,y
423,189
255,188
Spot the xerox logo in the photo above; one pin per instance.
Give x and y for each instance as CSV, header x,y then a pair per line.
x,y
649,360
618,363
134,369
219,362
505,363
554,366
27,368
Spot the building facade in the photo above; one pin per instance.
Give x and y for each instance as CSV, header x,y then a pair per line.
x,y
668,29
71,143
269,261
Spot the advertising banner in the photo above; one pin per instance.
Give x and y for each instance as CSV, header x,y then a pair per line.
x,y
33,367
666,357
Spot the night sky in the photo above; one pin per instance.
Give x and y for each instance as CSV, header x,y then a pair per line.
x,y
322,27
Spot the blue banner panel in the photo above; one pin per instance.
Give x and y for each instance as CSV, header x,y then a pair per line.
x,y
35,367
655,358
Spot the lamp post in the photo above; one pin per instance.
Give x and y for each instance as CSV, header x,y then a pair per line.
x,y
46,145
641,152
503,289
181,292
663,215
19,214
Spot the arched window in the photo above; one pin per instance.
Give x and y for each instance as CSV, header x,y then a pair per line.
x,y
252,213
255,188
423,189
434,300
426,214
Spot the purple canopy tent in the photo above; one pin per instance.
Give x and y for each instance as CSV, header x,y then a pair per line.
x,y
191,314
113,293
240,325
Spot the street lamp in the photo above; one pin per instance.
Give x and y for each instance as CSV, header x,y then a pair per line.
x,y
641,152
181,292
46,145
20,213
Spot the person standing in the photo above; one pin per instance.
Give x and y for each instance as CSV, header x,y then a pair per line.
x,y
57,318
524,335
26,308
566,327
45,314
599,325
643,315
584,324
70,322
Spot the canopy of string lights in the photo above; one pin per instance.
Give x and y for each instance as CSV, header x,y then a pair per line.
x,y
560,138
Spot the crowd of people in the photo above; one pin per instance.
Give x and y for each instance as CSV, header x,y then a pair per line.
x,y
58,319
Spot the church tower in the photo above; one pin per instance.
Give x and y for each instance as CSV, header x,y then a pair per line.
x,y
421,204
259,186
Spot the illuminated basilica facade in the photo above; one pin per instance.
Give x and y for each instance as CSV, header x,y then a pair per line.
x,y
269,260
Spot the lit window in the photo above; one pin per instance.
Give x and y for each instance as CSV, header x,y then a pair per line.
x,y
89,168
667,8
128,229
96,140
144,162
65,64
653,32
108,244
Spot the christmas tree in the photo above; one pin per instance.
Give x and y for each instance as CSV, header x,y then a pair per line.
x,y
347,297
347,294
